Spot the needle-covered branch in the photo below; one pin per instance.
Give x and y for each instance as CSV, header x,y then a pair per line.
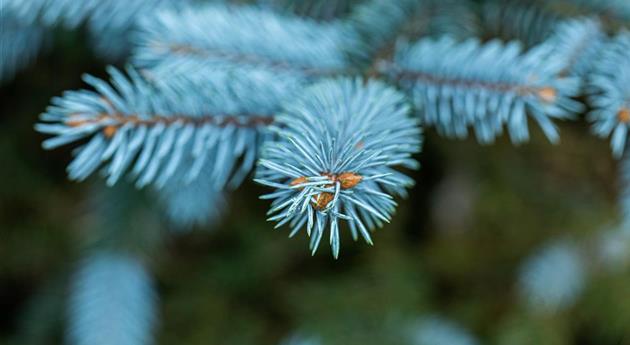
x,y
245,38
609,88
166,131
488,86
339,144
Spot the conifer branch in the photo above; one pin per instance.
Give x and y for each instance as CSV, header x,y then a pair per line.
x,y
486,86
609,89
257,39
165,131
338,146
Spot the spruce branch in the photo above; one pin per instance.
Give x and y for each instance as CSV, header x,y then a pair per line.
x,y
609,89
245,38
457,85
335,157
165,131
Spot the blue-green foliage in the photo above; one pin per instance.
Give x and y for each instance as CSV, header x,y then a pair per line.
x,y
433,330
379,22
553,278
322,10
488,86
212,84
213,76
20,44
196,203
335,128
219,37
609,88
163,132
436,18
112,301
110,23
517,20
617,9
376,34
579,42
100,14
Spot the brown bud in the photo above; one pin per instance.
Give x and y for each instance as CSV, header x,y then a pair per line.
x,y
349,180
624,115
322,200
548,94
109,131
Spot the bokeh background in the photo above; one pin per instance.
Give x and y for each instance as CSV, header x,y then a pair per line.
x,y
455,248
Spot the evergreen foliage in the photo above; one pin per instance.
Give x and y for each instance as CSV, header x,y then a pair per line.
x,y
112,302
305,93
160,133
109,23
20,44
486,86
338,144
518,20
609,88
579,42
321,10
258,39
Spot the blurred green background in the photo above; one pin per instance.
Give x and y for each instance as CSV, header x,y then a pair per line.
x,y
454,248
